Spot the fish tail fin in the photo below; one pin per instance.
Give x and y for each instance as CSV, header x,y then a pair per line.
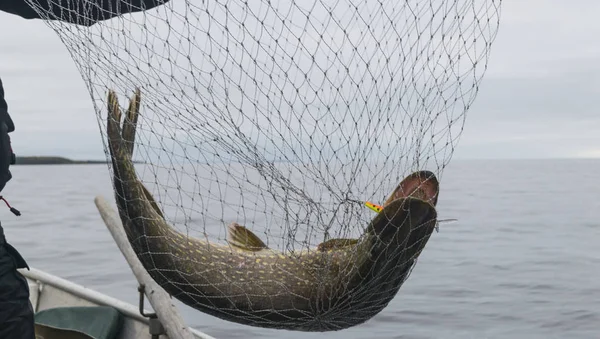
x,y
113,127
121,142
130,122
122,139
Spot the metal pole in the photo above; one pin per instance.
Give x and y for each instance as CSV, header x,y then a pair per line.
x,y
162,304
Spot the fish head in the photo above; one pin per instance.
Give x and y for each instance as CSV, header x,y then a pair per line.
x,y
409,215
421,184
401,219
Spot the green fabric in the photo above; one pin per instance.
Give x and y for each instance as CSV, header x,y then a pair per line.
x,y
98,322
47,332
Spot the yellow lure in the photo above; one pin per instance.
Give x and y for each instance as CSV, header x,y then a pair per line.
x,y
373,206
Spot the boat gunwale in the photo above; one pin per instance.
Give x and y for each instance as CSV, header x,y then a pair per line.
x,y
93,296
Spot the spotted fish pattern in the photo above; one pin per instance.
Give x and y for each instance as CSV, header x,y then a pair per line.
x,y
339,284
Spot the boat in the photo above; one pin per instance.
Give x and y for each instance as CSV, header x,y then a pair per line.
x,y
67,310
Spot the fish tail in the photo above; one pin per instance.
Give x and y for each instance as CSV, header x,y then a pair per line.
x,y
130,122
121,142
125,179
113,127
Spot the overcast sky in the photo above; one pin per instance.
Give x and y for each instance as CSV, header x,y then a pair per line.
x,y
538,98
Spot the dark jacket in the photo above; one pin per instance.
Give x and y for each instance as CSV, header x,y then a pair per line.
x,y
6,154
16,311
9,256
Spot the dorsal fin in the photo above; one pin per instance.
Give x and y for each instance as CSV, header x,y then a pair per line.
x,y
333,244
242,238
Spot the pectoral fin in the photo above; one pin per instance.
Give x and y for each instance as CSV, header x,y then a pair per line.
x,y
333,244
244,239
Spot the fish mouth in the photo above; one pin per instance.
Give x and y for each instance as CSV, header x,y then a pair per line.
x,y
421,184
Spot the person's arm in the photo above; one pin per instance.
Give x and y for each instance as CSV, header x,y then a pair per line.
x,y
4,116
7,157
3,104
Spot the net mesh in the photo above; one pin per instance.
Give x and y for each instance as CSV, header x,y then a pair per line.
x,y
285,116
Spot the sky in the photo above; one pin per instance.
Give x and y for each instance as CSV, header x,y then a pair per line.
x,y
537,99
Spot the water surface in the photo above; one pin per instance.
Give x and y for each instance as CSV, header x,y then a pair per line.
x,y
522,262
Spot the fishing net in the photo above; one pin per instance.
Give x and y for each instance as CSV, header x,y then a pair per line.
x,y
286,116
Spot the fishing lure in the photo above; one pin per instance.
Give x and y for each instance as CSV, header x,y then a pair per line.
x,y
373,206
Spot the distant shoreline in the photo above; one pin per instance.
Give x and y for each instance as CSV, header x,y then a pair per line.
x,y
46,160
56,160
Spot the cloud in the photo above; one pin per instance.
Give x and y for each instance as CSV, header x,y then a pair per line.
x,y
589,153
538,38
536,100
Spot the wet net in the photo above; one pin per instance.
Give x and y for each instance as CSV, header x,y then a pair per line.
x,y
285,117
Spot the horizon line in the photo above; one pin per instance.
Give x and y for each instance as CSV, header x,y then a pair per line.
x,y
454,158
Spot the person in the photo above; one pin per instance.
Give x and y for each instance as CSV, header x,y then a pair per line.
x,y
16,311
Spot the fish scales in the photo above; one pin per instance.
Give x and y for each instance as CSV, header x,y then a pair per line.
x,y
340,284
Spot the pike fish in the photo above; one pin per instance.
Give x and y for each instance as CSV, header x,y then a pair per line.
x,y
339,284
